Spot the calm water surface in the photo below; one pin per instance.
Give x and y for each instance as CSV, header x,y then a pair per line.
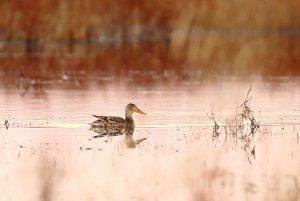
x,y
171,110
55,121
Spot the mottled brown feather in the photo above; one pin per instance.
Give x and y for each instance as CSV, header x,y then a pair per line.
x,y
108,121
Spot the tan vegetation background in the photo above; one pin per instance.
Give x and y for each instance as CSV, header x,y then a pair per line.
x,y
203,36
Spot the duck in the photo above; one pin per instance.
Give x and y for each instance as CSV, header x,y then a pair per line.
x,y
113,121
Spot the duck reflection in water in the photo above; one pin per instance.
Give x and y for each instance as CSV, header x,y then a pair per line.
x,y
130,142
114,126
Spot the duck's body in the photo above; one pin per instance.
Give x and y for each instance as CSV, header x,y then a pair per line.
x,y
112,121
108,121
115,126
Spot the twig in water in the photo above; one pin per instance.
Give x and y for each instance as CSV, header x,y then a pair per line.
x,y
6,124
216,127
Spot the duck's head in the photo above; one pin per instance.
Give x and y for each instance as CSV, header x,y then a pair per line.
x,y
131,108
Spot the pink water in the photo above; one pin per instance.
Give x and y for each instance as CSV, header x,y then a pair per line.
x,y
47,154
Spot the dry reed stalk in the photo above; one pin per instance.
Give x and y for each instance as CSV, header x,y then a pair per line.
x,y
235,128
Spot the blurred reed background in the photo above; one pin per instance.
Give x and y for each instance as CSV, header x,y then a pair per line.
x,y
182,40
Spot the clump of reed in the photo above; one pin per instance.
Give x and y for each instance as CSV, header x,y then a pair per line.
x,y
240,129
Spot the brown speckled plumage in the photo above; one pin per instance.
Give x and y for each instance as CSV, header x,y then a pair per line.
x,y
112,121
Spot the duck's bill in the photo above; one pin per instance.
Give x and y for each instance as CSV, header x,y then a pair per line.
x,y
137,110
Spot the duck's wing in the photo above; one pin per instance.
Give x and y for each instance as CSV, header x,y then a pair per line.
x,y
108,121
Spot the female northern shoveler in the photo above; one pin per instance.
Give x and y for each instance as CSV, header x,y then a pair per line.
x,y
111,121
